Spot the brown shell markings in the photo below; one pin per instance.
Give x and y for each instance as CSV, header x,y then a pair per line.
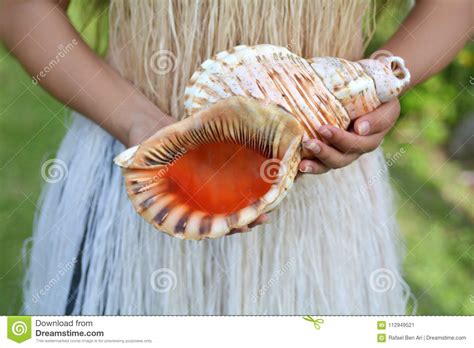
x,y
316,91
271,74
173,179
237,154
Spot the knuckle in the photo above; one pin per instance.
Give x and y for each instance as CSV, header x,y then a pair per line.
x,y
378,142
323,154
337,162
339,137
367,148
372,146
358,147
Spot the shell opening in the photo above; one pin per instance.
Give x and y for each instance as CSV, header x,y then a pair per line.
x,y
389,74
398,70
217,177
215,171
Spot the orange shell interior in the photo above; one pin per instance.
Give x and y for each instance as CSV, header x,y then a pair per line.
x,y
218,178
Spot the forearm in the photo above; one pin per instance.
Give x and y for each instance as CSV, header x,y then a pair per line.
x,y
431,35
39,34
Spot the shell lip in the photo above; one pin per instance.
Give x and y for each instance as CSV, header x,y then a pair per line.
x,y
399,69
285,147
125,158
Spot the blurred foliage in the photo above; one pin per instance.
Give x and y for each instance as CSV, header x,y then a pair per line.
x,y
437,105
434,203
91,19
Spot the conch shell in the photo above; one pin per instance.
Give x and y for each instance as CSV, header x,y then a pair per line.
x,y
216,171
236,155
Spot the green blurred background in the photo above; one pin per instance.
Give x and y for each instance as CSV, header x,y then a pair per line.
x,y
434,177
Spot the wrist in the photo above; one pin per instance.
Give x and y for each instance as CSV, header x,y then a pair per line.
x,y
144,125
136,120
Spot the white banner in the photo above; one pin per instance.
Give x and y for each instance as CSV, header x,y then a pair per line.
x,y
227,332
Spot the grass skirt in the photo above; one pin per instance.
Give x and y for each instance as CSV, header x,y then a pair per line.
x,y
332,247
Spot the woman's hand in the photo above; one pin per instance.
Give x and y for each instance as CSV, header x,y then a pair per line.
x,y
262,219
144,126
343,147
80,79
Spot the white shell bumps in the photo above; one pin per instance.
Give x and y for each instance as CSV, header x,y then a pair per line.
x,y
316,91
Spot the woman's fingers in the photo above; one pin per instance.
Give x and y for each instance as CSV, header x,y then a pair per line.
x,y
340,147
369,130
262,219
380,120
307,166
348,142
329,156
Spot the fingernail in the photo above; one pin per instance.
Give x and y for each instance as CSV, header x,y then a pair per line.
x,y
313,146
306,169
325,132
363,128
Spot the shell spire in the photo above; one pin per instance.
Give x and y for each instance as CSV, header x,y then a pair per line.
x,y
316,91
389,74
